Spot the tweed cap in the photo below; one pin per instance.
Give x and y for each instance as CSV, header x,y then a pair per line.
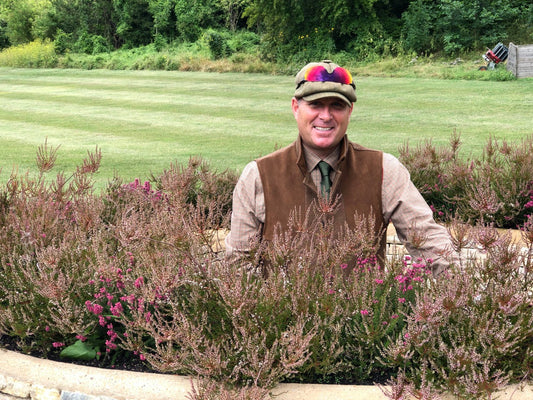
x,y
325,79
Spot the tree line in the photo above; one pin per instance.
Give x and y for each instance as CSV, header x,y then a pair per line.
x,y
281,28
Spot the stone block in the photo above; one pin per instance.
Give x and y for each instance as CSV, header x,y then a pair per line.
x,y
39,392
17,388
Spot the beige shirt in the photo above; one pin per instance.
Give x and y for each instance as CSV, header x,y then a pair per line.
x,y
402,203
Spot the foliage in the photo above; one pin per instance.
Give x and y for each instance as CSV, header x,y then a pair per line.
x,y
459,331
496,189
36,54
289,30
418,26
218,45
456,26
137,273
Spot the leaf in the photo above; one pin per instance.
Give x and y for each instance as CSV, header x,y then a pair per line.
x,y
79,351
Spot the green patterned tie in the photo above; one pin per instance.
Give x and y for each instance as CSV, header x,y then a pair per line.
x,y
325,182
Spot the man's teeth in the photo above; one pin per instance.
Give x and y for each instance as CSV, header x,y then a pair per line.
x,y
321,128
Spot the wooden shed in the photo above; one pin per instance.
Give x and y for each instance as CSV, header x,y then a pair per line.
x,y
520,60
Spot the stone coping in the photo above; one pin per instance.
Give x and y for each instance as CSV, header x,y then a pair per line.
x,y
27,377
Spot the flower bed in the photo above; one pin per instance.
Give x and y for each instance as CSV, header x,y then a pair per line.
x,y
132,274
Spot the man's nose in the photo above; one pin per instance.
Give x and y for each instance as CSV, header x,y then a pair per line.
x,y
325,113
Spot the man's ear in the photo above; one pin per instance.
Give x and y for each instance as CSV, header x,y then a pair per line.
x,y
295,105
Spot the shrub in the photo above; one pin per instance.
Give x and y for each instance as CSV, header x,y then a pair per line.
x,y
136,275
91,44
36,54
217,43
495,189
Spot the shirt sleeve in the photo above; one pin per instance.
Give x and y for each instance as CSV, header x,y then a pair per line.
x,y
412,218
248,211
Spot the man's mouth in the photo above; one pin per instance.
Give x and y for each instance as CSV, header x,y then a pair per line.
x,y
323,128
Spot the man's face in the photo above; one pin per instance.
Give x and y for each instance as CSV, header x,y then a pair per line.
x,y
322,123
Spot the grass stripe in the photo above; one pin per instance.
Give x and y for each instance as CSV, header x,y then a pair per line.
x,y
145,120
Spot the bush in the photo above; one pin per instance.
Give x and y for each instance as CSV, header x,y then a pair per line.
x,y
36,54
91,44
496,189
217,43
137,274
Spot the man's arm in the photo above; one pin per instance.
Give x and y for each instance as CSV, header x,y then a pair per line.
x,y
405,207
248,211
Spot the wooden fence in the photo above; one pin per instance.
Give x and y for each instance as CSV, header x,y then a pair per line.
x,y
520,60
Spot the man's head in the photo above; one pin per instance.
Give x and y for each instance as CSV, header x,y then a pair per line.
x,y
322,105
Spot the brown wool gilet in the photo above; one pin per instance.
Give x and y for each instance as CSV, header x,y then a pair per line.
x,y
288,187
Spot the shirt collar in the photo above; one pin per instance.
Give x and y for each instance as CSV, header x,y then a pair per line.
x,y
311,159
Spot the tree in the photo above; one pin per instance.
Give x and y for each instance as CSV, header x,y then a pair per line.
x,y
18,17
134,22
192,16
163,16
233,10
418,26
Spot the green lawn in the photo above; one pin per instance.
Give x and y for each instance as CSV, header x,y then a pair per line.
x,y
145,120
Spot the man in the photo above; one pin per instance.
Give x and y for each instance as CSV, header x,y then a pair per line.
x,y
323,164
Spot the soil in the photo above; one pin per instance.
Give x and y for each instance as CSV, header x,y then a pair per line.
x,y
122,361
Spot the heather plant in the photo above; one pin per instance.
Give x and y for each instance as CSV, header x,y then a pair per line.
x,y
45,252
471,333
136,275
497,188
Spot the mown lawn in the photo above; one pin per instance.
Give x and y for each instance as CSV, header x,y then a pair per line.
x,y
144,120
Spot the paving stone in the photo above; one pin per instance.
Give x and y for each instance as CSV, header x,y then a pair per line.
x,y
39,392
17,388
65,395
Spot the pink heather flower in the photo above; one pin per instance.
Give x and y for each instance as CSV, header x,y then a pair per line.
x,y
47,328
58,344
364,312
142,357
81,337
407,336
101,320
110,345
139,282
378,281
344,266
331,291
394,316
529,204
401,299
148,316
117,309
129,298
